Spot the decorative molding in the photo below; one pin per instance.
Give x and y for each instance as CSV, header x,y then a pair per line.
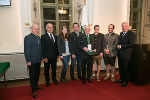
x,y
35,11
78,10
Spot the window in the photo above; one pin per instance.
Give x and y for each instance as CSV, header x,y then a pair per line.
x,y
57,12
136,17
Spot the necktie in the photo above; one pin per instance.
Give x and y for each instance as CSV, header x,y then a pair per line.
x,y
51,38
77,33
123,34
88,38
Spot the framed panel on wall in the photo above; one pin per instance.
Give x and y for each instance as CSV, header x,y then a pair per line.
x,y
57,12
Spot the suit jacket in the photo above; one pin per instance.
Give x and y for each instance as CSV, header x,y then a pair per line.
x,y
32,48
110,43
126,42
49,49
77,43
97,42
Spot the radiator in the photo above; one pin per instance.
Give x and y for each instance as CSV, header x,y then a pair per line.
x,y
18,68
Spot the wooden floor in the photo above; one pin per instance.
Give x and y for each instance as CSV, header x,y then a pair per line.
x,y
25,82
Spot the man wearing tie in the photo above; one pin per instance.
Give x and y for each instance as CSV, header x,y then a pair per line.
x,y
49,53
86,59
33,56
125,44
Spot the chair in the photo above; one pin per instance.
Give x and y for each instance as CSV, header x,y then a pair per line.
x,y
3,68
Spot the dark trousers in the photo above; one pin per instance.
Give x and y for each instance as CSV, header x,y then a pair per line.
x,y
34,73
51,62
73,62
123,62
86,65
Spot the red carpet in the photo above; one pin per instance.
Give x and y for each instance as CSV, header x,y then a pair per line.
x,y
75,90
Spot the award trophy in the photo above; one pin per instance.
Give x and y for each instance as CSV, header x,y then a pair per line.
x,y
90,51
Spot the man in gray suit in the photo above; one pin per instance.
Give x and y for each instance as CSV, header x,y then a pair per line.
x,y
33,56
110,51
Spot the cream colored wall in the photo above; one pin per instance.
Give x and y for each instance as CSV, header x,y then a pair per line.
x,y
10,24
13,26
107,12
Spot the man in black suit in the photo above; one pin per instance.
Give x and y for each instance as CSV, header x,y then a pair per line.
x,y
125,44
33,56
74,50
49,53
86,59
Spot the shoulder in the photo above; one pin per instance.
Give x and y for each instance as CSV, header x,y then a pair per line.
x,y
27,36
100,34
130,32
59,36
92,34
82,33
55,34
105,35
115,34
44,35
70,33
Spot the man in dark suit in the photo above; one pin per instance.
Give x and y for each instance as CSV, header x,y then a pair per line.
x,y
49,53
86,59
125,44
33,56
74,50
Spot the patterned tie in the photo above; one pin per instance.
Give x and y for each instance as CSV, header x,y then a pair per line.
x,y
51,38
88,38
123,34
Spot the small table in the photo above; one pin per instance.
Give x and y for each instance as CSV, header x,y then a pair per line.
x,y
3,68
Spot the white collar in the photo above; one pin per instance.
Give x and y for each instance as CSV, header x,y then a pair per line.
x,y
109,34
49,33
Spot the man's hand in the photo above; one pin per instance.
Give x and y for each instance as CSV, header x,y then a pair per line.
x,y
119,46
61,57
101,55
28,64
73,56
85,49
94,50
45,60
106,51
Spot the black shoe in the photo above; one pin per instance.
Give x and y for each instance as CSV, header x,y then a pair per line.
x,y
39,88
83,82
34,94
56,82
73,78
47,84
123,84
63,80
89,80
79,77
119,81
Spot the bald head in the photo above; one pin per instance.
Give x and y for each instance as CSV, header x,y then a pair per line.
x,y
125,26
49,27
35,29
87,29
